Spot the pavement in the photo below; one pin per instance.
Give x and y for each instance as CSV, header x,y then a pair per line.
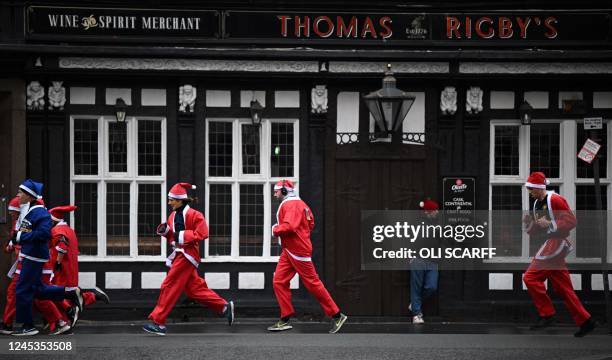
x,y
358,339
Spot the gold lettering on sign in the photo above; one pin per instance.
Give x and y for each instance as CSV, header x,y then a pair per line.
x,y
89,22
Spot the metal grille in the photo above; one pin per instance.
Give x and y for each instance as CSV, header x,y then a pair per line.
x,y
149,216
251,220
507,150
545,139
85,146
220,218
282,150
149,147
589,223
584,170
220,148
275,248
117,219
507,226
250,149
117,147
86,217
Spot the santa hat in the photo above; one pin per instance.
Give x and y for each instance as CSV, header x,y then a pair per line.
x,y
537,180
32,188
179,190
287,184
429,205
14,204
58,212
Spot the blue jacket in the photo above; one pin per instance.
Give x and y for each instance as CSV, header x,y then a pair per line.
x,y
34,234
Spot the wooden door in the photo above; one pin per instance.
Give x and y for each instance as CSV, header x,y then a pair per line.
x,y
371,177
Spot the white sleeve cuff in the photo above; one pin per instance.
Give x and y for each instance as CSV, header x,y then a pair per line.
x,y
59,249
181,237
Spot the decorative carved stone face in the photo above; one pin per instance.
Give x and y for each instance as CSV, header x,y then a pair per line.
x,y
57,85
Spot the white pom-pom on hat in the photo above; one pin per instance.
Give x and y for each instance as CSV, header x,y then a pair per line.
x,y
547,182
193,187
421,204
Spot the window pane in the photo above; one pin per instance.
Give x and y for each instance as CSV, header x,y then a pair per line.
x,y
251,220
117,147
220,148
149,147
220,219
275,248
507,150
507,226
117,219
282,150
536,241
86,217
544,150
250,149
588,242
149,216
585,170
85,146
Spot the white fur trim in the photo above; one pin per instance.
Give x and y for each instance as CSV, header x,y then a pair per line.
x,y
29,191
13,208
299,258
181,237
59,249
177,196
536,186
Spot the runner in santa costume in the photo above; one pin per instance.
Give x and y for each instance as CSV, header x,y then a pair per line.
x,y
6,327
34,235
48,310
185,228
64,260
552,217
294,222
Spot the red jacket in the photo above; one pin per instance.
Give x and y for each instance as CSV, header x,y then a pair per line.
x,y
295,221
562,220
64,240
187,242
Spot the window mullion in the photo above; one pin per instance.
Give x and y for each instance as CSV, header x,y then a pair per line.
x,y
133,219
236,171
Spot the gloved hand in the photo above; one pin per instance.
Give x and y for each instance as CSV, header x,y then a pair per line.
x,y
162,229
58,267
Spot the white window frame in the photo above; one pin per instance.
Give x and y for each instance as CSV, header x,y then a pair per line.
x,y
104,177
567,181
262,178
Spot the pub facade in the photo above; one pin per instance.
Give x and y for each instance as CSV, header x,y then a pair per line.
x,y
110,106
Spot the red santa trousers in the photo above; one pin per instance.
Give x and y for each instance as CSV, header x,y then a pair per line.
x,y
183,276
285,271
559,278
46,307
9,308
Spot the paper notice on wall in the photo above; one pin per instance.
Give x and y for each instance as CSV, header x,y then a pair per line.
x,y
589,151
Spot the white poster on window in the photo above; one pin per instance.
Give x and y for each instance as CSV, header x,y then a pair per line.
x,y
589,151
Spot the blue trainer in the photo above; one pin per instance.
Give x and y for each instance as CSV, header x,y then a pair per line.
x,y
154,329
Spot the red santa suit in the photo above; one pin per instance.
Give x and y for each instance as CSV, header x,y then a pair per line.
x,y
549,261
295,221
65,241
184,231
46,307
9,308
